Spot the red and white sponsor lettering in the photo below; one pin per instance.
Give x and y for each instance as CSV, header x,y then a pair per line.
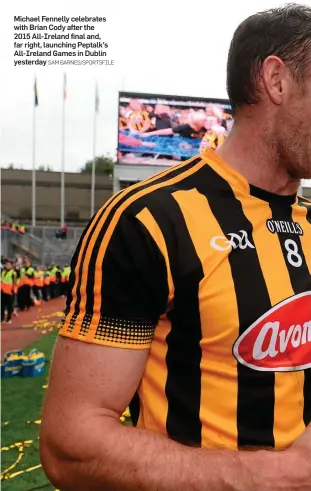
x,y
280,340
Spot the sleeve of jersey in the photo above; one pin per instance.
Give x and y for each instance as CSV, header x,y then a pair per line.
x,y
119,287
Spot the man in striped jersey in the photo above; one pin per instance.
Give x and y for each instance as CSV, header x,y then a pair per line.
x,y
191,298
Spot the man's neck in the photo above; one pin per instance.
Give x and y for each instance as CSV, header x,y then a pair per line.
x,y
249,153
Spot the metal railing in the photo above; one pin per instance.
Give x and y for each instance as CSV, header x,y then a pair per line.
x,y
13,242
38,250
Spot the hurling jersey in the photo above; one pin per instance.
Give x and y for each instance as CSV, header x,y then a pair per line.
x,y
212,275
139,120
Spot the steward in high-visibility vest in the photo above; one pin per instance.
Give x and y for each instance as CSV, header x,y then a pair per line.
x,y
58,274
8,281
47,277
39,278
53,271
65,279
58,281
38,285
53,281
65,274
21,291
8,286
46,285
30,276
18,276
29,283
22,276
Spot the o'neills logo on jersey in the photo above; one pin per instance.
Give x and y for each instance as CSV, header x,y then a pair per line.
x,y
284,227
280,340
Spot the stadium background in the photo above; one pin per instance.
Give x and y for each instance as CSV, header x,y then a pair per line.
x,y
42,244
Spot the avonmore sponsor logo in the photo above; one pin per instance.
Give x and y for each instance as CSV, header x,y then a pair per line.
x,y
280,340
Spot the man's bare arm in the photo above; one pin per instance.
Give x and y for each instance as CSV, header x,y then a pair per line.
x,y
164,132
84,447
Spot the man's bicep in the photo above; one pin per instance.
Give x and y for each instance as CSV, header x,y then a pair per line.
x,y
86,377
121,289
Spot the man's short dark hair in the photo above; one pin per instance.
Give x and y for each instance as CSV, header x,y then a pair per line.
x,y
284,32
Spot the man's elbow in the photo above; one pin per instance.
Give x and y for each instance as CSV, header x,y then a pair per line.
x,y
54,465
69,464
70,451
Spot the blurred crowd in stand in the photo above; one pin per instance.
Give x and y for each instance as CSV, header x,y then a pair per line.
x,y
14,226
21,228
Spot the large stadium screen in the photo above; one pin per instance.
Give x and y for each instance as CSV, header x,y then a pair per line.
x,y
163,130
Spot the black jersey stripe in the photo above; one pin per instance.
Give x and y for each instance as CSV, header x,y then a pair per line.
x,y
300,278
255,404
163,178
183,385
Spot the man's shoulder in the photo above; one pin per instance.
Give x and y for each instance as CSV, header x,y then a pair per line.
x,y
155,189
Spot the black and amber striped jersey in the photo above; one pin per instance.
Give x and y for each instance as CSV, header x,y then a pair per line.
x,y
212,275
123,122
211,140
139,121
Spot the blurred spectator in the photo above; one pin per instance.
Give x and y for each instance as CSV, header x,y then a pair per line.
x,y
5,225
28,282
161,117
19,261
21,291
15,227
62,233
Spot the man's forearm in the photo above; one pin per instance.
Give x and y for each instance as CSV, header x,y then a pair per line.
x,y
116,458
164,132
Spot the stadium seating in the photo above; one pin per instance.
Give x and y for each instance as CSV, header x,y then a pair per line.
x,y
44,250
